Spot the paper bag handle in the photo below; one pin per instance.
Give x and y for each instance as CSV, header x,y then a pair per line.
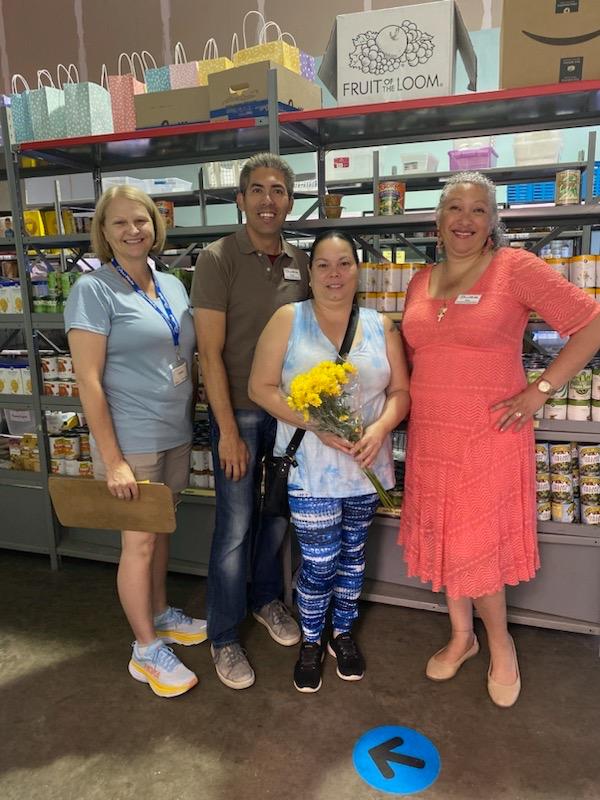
x,y
104,77
13,83
180,56
146,57
71,73
235,42
127,58
43,73
291,38
262,36
132,59
210,48
248,13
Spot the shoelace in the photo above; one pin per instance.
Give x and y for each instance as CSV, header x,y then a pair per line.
x,y
310,655
165,657
178,616
234,654
279,612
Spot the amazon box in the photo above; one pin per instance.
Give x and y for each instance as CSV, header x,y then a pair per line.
x,y
549,41
397,53
243,91
174,107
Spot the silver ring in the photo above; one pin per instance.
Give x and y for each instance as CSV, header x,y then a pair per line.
x,y
518,413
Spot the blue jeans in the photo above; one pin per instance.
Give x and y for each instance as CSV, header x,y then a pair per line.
x,y
241,535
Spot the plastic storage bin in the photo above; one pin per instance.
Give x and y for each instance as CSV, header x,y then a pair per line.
x,y
350,165
543,192
473,143
167,185
19,421
596,186
419,162
222,174
537,147
480,158
123,180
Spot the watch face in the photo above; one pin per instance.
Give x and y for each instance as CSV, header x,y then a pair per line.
x,y
545,387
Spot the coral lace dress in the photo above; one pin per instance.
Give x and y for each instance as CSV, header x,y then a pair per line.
x,y
469,515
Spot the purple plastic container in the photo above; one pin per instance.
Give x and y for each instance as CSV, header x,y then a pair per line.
x,y
480,158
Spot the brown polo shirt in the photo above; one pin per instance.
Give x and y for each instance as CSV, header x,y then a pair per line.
x,y
232,276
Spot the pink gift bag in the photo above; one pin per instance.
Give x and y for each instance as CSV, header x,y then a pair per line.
x,y
122,88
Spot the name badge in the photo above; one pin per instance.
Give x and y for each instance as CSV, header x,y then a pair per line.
x,y
291,274
179,371
467,299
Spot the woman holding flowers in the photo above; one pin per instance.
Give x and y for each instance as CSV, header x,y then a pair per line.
x,y
345,457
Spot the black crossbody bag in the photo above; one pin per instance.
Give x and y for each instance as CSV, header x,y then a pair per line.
x,y
275,502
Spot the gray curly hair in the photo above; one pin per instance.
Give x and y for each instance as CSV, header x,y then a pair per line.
x,y
497,230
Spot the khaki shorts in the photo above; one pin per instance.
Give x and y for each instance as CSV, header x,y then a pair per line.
x,y
171,467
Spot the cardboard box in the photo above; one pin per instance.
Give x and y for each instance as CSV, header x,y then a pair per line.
x,y
397,53
175,107
243,91
557,40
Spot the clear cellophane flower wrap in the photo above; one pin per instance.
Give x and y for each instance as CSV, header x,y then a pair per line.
x,y
328,397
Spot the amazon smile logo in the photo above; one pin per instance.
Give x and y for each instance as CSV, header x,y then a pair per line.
x,y
562,41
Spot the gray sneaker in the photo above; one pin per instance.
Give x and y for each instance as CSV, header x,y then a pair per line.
x,y
279,622
233,668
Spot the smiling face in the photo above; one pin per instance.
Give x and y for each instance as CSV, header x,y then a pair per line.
x,y
266,204
465,221
334,271
128,230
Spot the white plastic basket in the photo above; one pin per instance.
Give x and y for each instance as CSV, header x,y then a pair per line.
x,y
19,421
537,147
419,162
167,185
222,174
122,180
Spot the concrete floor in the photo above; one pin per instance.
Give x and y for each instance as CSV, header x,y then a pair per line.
x,y
75,726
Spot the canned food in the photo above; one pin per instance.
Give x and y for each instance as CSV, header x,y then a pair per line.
x,y
590,515
561,487
49,368
542,486
544,510
167,210
560,458
51,388
563,512
542,457
65,367
589,459
567,187
582,271
391,197
590,489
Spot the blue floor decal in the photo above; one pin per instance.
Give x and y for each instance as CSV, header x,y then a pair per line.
x,y
396,760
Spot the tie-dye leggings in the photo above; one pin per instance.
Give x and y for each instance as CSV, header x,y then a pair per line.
x,y
331,533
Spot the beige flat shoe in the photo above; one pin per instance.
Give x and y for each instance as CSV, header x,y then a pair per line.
x,y
501,694
437,670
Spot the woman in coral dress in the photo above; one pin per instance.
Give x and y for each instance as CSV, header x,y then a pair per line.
x,y
469,514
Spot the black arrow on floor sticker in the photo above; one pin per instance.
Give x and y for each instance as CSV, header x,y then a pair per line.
x,y
385,752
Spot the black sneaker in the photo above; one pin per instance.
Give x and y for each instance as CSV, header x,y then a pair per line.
x,y
350,662
307,672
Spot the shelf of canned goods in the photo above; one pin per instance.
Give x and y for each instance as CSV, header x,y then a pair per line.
x,y
566,593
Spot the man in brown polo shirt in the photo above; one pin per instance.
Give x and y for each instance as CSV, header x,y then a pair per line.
x,y
239,281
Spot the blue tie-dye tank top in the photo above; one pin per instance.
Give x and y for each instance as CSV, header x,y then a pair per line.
x,y
323,471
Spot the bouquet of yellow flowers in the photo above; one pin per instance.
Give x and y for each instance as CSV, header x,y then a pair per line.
x,y
323,396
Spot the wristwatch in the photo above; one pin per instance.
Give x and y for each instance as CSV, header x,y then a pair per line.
x,y
545,387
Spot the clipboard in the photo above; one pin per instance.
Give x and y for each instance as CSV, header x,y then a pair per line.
x,y
87,503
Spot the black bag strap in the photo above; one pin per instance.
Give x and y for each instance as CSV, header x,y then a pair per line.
x,y
341,357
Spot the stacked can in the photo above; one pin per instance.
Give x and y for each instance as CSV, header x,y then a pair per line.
x,y
589,471
595,403
201,461
534,367
579,401
562,482
542,481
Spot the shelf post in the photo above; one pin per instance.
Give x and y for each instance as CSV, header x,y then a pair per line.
x,y
273,108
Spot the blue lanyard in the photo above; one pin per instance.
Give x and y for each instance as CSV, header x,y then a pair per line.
x,y
167,314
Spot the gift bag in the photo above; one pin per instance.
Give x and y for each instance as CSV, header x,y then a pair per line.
x,y
88,109
158,79
183,74
211,62
308,66
123,87
279,51
21,115
47,107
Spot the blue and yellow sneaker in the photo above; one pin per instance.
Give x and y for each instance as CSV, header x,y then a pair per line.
x,y
157,665
175,627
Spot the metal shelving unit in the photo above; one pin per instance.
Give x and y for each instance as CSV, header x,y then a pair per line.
x,y
537,108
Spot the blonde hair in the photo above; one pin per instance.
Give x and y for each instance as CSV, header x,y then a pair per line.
x,y
99,244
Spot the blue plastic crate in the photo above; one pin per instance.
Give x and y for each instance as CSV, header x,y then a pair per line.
x,y
596,190
542,192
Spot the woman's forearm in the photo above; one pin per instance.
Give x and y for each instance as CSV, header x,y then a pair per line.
x,y
271,399
395,409
575,354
